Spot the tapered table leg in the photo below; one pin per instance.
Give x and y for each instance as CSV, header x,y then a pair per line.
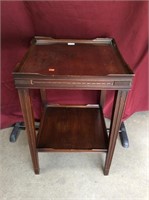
x,y
118,107
102,98
30,127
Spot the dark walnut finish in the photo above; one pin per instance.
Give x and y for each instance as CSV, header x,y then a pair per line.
x,y
72,128
73,65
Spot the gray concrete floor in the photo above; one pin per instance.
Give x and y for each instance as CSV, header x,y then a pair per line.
x,y
77,176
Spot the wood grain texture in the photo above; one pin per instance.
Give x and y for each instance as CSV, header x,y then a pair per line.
x,y
72,128
76,60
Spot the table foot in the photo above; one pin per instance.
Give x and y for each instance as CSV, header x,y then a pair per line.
x,y
37,171
106,172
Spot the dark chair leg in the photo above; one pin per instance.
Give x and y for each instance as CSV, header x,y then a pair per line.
x,y
17,128
16,131
123,136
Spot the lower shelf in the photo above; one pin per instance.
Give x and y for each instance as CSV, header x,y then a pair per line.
x,y
72,129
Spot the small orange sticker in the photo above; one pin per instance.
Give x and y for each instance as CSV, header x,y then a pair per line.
x,y
51,70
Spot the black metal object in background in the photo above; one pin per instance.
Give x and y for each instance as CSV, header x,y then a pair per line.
x,y
17,128
16,131
123,136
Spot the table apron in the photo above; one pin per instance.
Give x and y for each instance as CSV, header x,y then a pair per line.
x,y
73,84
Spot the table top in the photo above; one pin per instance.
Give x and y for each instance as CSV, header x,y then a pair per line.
x,y
65,57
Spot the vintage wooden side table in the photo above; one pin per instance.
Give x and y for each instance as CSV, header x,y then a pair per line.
x,y
71,64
